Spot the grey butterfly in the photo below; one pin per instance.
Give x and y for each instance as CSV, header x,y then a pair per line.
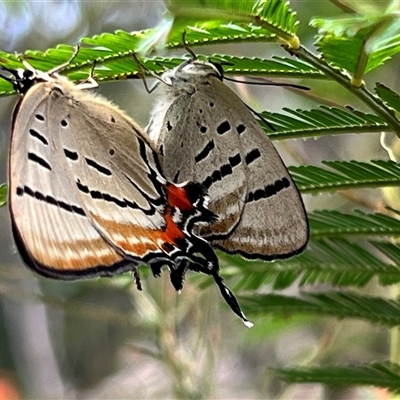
x,y
206,133
87,196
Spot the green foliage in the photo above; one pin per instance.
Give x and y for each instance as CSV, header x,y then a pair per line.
x,y
347,249
339,304
345,175
379,374
3,194
321,121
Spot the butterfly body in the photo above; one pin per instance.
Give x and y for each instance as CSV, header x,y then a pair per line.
x,y
206,133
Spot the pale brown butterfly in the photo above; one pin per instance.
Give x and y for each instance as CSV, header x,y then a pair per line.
x,y
206,133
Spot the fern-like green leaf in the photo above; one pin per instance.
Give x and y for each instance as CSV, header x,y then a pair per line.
x,y
344,52
117,63
391,98
331,223
273,15
320,121
346,175
385,375
376,310
3,194
336,262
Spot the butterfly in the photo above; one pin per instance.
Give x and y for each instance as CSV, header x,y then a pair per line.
x,y
87,195
206,133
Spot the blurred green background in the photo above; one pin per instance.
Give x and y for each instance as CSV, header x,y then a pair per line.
x,y
102,339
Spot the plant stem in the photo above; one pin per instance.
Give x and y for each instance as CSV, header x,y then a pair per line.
x,y
181,364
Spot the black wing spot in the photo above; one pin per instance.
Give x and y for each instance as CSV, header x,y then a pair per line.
x,y
252,156
259,194
223,128
111,152
200,111
216,175
38,136
35,158
39,117
285,182
208,182
81,187
270,191
212,105
95,194
235,160
98,167
226,170
64,123
240,128
203,129
279,185
169,126
205,152
112,119
72,155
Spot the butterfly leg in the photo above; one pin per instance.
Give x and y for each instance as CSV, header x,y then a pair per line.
x,y
136,277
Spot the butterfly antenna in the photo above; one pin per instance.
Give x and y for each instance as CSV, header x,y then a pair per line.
x,y
142,74
266,122
187,48
269,83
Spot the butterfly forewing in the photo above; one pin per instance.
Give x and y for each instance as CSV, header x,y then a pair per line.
x,y
116,184
206,132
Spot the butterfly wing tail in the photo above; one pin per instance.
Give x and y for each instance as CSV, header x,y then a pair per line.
x,y
212,268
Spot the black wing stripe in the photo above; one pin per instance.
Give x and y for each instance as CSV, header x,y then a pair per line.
x,y
268,191
205,152
35,158
49,200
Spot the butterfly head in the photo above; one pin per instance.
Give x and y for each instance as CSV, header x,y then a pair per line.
x,y
23,79
194,70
